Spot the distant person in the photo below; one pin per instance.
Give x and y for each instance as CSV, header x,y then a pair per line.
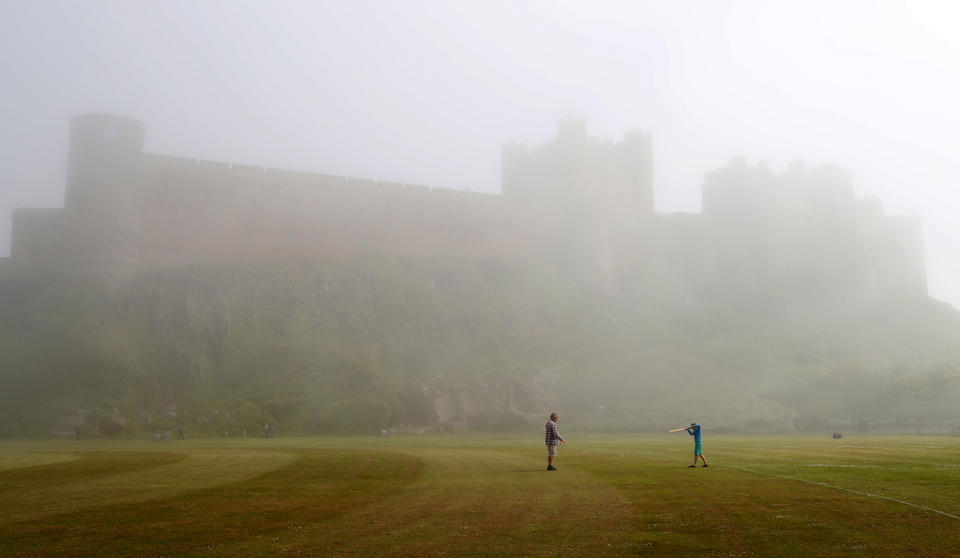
x,y
76,434
697,434
553,439
180,433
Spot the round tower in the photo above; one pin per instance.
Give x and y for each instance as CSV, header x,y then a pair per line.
x,y
102,194
101,146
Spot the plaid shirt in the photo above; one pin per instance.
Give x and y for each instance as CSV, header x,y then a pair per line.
x,y
553,437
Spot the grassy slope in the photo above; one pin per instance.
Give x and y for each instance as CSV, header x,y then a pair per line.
x,y
455,496
356,346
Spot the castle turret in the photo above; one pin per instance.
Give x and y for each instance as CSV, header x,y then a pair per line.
x,y
593,196
102,197
576,169
737,202
636,166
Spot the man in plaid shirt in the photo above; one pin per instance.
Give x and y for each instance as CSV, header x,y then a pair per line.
x,y
553,439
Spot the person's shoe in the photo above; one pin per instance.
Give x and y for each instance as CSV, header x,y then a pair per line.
x,y
551,468
691,466
705,465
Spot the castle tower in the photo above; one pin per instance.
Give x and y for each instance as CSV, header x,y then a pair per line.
x,y
636,172
737,201
102,195
575,168
804,231
592,195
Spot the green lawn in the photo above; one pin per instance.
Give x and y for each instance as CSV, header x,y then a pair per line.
x,y
483,495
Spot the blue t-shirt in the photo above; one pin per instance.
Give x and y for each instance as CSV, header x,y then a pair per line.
x,y
696,433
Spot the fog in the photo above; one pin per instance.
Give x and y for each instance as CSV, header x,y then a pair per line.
x,y
427,92
422,216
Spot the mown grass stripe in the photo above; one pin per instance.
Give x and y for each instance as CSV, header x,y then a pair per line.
x,y
84,467
315,488
834,487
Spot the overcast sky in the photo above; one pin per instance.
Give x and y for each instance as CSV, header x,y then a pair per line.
x,y
426,92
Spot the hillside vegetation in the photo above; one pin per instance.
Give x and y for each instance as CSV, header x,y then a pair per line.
x,y
377,344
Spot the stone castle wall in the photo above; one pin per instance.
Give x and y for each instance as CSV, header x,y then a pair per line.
x,y
128,208
578,201
201,211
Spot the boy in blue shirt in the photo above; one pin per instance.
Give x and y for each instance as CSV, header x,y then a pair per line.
x,y
697,434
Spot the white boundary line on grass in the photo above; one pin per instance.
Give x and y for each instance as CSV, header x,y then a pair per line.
x,y
825,485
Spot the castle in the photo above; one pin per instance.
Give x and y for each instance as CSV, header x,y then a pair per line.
x,y
576,201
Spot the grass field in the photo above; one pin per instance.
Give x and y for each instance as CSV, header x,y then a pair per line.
x,y
463,495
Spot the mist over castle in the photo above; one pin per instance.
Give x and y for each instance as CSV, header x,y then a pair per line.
x,y
583,203
433,277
